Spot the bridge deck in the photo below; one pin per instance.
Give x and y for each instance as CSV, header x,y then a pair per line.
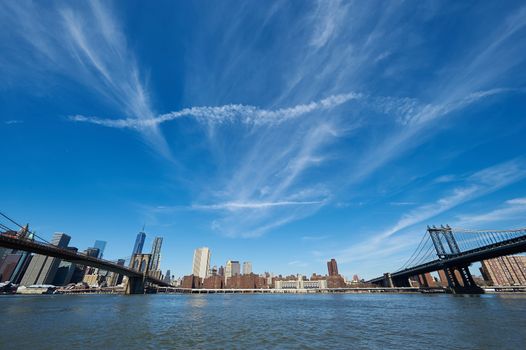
x,y
73,257
506,247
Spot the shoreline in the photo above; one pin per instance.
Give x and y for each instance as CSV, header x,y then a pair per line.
x,y
167,290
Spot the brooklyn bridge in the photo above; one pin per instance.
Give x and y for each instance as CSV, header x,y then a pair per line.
x,y
138,274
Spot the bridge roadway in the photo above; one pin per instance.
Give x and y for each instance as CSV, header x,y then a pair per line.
x,y
503,248
76,258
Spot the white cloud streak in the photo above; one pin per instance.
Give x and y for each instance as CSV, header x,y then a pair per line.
x,y
478,184
260,173
85,44
512,209
13,121
406,232
234,206
227,114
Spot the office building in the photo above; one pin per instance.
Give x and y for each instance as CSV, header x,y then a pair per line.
x,y
139,243
65,271
14,264
505,270
247,268
168,277
8,267
155,263
232,268
100,245
42,269
201,262
332,266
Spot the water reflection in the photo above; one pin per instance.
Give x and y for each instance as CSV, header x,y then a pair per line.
x,y
264,321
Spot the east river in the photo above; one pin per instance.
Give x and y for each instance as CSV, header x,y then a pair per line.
x,y
321,321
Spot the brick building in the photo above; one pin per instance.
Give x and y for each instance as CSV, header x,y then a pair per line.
x,y
191,282
250,281
505,270
213,282
332,267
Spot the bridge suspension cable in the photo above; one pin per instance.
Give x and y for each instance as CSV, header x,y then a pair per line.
x,y
474,239
465,239
11,220
421,251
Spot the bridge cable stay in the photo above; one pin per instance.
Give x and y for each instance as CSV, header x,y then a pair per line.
x,y
5,228
416,253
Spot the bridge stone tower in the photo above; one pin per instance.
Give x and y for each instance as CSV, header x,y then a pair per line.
x,y
140,263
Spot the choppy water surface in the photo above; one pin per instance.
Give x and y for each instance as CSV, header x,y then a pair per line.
x,y
263,321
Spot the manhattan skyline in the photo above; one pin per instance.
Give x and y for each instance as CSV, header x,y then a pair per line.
x,y
284,134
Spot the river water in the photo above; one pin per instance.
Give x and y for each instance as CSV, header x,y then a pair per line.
x,y
339,321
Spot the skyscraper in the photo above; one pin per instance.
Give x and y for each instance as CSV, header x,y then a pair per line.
x,y
156,254
42,269
65,271
247,268
332,266
201,262
232,268
139,243
168,277
15,263
101,245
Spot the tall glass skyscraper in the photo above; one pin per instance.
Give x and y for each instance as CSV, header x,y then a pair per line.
x,y
139,243
156,254
101,245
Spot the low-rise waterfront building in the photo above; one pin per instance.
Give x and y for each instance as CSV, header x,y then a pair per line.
x,y
300,283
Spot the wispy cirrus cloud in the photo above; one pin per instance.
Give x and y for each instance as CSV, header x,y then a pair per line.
x,y
512,209
276,161
233,206
478,184
13,121
85,44
291,147
408,229
315,238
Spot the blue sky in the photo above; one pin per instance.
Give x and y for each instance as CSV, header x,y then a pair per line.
x,y
285,133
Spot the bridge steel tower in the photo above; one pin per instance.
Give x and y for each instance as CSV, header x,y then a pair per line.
x,y
459,277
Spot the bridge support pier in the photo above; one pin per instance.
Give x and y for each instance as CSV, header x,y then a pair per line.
x,y
463,285
135,285
388,280
401,282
